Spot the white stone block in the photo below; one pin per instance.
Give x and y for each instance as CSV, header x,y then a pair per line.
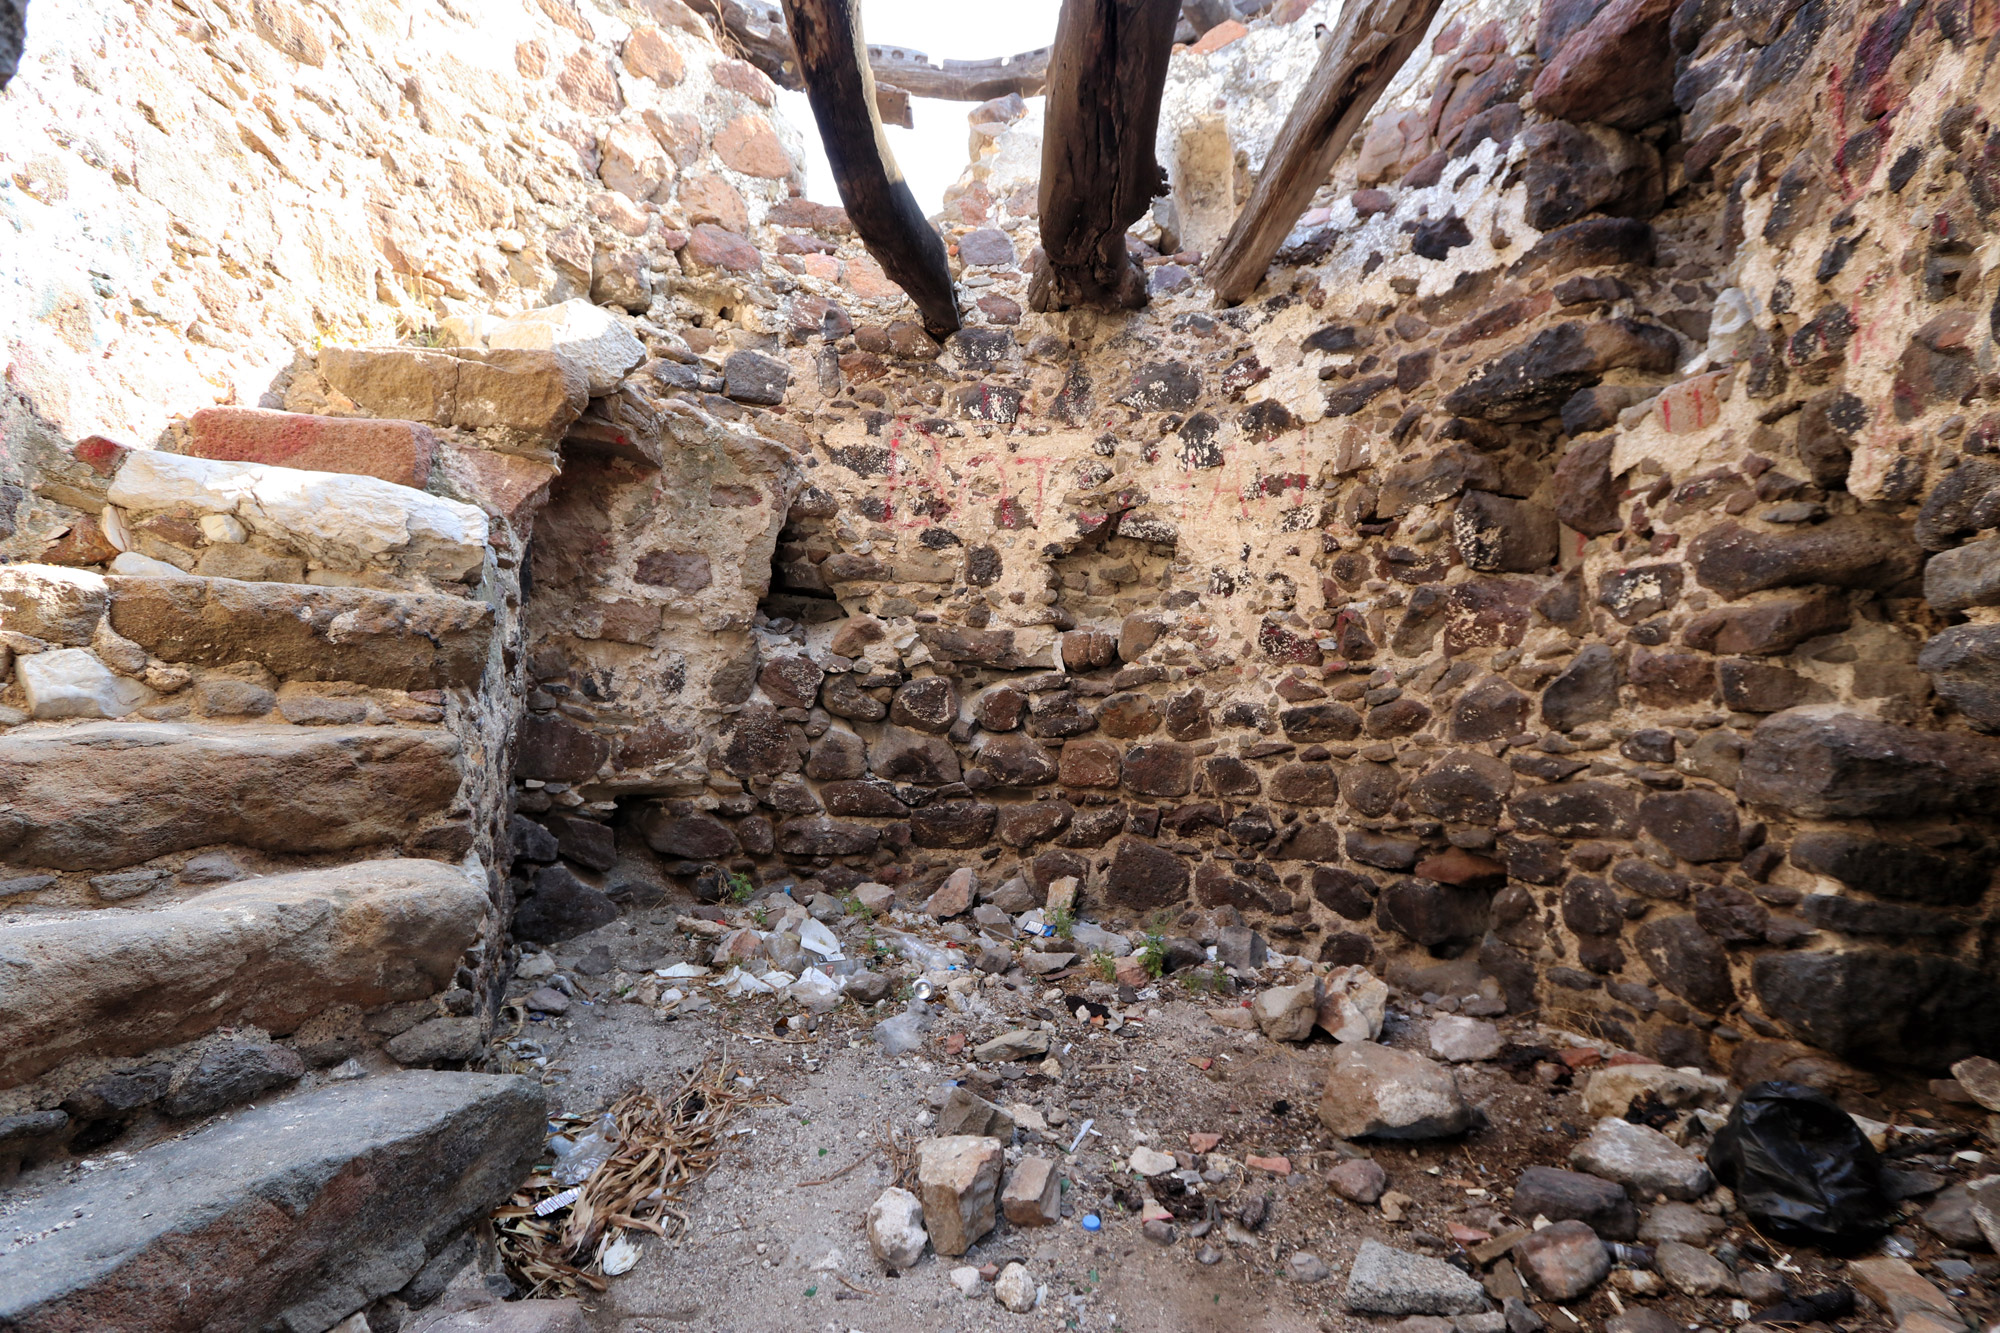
x,y
71,682
602,346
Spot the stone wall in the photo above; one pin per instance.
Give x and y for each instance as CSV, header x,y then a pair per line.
x,y
1567,568
1570,574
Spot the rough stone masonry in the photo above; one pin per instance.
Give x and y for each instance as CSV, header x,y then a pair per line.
x,y
455,487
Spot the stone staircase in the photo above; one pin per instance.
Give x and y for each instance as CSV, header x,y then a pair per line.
x,y
252,826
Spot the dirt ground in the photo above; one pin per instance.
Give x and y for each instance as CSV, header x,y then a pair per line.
x,y
775,1240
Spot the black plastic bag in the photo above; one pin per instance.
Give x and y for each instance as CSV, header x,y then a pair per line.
x,y
1801,1168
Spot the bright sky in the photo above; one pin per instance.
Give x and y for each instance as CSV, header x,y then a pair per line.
x,y
934,153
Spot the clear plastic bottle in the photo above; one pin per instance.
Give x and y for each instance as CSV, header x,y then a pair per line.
x,y
575,1162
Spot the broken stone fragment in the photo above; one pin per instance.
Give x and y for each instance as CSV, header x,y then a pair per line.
x,y
895,1227
1562,1195
1358,1181
958,1179
1033,1195
1287,1013
1019,1044
592,337
1643,1159
1562,1261
1375,1090
965,1112
1391,1281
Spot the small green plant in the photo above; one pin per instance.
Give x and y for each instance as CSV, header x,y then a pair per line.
x,y
1153,954
761,917
1106,965
741,886
1064,920
1208,980
856,908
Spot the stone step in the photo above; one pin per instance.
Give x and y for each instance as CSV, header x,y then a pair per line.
x,y
272,952
397,451
105,795
292,1215
343,521
395,640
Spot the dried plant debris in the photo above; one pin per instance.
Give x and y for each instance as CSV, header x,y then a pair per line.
x,y
560,1241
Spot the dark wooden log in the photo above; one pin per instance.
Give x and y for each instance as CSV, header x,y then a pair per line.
x,y
960,80
1099,174
1360,59
759,31
826,34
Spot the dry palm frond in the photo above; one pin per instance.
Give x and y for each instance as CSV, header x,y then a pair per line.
x,y
663,1146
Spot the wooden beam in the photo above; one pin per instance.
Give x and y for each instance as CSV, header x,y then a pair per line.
x,y
1098,171
760,33
961,80
1373,40
826,34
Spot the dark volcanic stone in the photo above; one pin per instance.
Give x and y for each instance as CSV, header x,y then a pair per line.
x,y
1694,825
1588,244
1345,892
1819,764
1640,592
1464,787
1495,534
1575,810
1617,69
1586,691
1306,784
587,842
696,837
844,697
1371,789
750,377
956,824
910,756
1687,960
1591,907
1058,715
763,745
561,907
837,755
930,704
792,682
1532,382
1887,869
1489,711
1732,916
1382,849
1161,768
1964,667
1849,551
1859,916
1430,913
864,799
1320,722
1144,877
1572,170
1766,628
1031,822
227,1073
529,841
1911,1009
1561,1195
554,749
1015,760
1586,494
1001,708
821,836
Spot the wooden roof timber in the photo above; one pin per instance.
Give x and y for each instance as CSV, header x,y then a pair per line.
x,y
826,36
1099,175
761,32
1364,54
